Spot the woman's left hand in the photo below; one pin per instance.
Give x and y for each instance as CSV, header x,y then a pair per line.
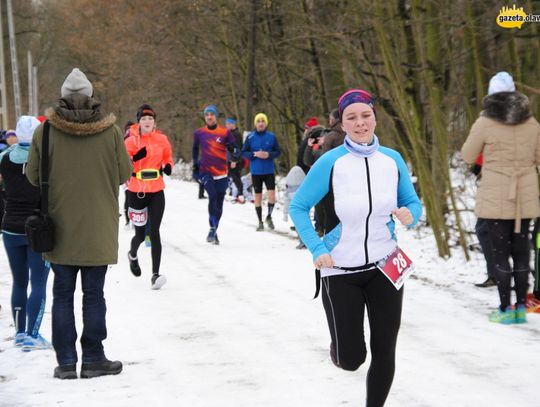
x,y
404,215
324,260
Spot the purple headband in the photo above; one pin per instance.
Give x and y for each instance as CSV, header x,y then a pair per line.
x,y
354,96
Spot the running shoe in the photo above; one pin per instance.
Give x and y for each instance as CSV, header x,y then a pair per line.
x,y
506,317
19,339
211,235
30,343
158,281
521,314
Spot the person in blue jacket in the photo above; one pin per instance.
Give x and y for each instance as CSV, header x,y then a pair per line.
x,y
27,267
261,148
363,187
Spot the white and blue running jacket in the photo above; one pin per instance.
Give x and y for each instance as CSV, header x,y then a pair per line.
x,y
358,195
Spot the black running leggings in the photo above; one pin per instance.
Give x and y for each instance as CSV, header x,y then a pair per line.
x,y
505,244
344,298
155,202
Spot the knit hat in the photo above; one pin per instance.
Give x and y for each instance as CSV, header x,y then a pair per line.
x,y
260,116
10,133
310,123
230,120
211,109
354,96
76,82
26,125
145,110
501,82
315,131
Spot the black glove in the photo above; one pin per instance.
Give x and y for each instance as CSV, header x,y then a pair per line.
x,y
167,169
476,169
195,170
139,155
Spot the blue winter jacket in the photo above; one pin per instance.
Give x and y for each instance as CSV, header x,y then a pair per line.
x,y
264,141
358,195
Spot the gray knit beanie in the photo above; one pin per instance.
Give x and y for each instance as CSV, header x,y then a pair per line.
x,y
77,82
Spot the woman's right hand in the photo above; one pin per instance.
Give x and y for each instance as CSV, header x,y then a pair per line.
x,y
324,260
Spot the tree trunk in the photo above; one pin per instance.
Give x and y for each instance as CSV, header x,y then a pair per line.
x,y
250,78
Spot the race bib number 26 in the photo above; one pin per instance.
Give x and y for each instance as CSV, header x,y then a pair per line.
x,y
397,267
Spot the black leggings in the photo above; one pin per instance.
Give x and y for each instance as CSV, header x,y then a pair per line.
x,y
155,202
344,298
234,175
505,244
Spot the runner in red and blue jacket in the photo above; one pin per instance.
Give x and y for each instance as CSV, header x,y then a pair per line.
x,y
210,169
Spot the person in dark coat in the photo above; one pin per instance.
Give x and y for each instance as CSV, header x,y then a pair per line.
x,y
90,163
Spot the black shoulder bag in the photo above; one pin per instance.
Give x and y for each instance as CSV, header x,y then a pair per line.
x,y
39,227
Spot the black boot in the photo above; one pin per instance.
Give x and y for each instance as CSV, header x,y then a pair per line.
x,y
134,265
65,372
490,282
103,368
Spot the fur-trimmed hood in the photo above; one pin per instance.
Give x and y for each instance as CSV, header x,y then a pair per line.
x,y
507,107
79,115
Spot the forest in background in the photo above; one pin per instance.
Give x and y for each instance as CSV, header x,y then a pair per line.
x,y
428,64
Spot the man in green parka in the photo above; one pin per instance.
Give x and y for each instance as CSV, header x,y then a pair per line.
x,y
87,164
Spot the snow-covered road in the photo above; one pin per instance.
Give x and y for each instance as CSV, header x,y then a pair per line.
x,y
236,326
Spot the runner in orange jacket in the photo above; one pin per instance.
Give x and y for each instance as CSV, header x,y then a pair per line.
x,y
151,153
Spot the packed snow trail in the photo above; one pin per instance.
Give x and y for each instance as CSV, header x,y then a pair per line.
x,y
235,325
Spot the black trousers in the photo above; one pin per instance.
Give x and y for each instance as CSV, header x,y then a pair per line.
x,y
482,234
155,202
234,175
505,245
345,297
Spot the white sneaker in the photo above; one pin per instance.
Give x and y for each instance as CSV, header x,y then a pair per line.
x,y
30,343
19,339
158,281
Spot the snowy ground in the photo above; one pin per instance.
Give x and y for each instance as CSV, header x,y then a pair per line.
x,y
236,326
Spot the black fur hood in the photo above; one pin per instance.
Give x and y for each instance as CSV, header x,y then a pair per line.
x,y
507,107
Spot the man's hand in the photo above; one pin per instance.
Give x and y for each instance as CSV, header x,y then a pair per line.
x,y
261,154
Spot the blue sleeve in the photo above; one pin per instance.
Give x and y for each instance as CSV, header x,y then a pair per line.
x,y
406,194
314,187
246,149
276,151
195,149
